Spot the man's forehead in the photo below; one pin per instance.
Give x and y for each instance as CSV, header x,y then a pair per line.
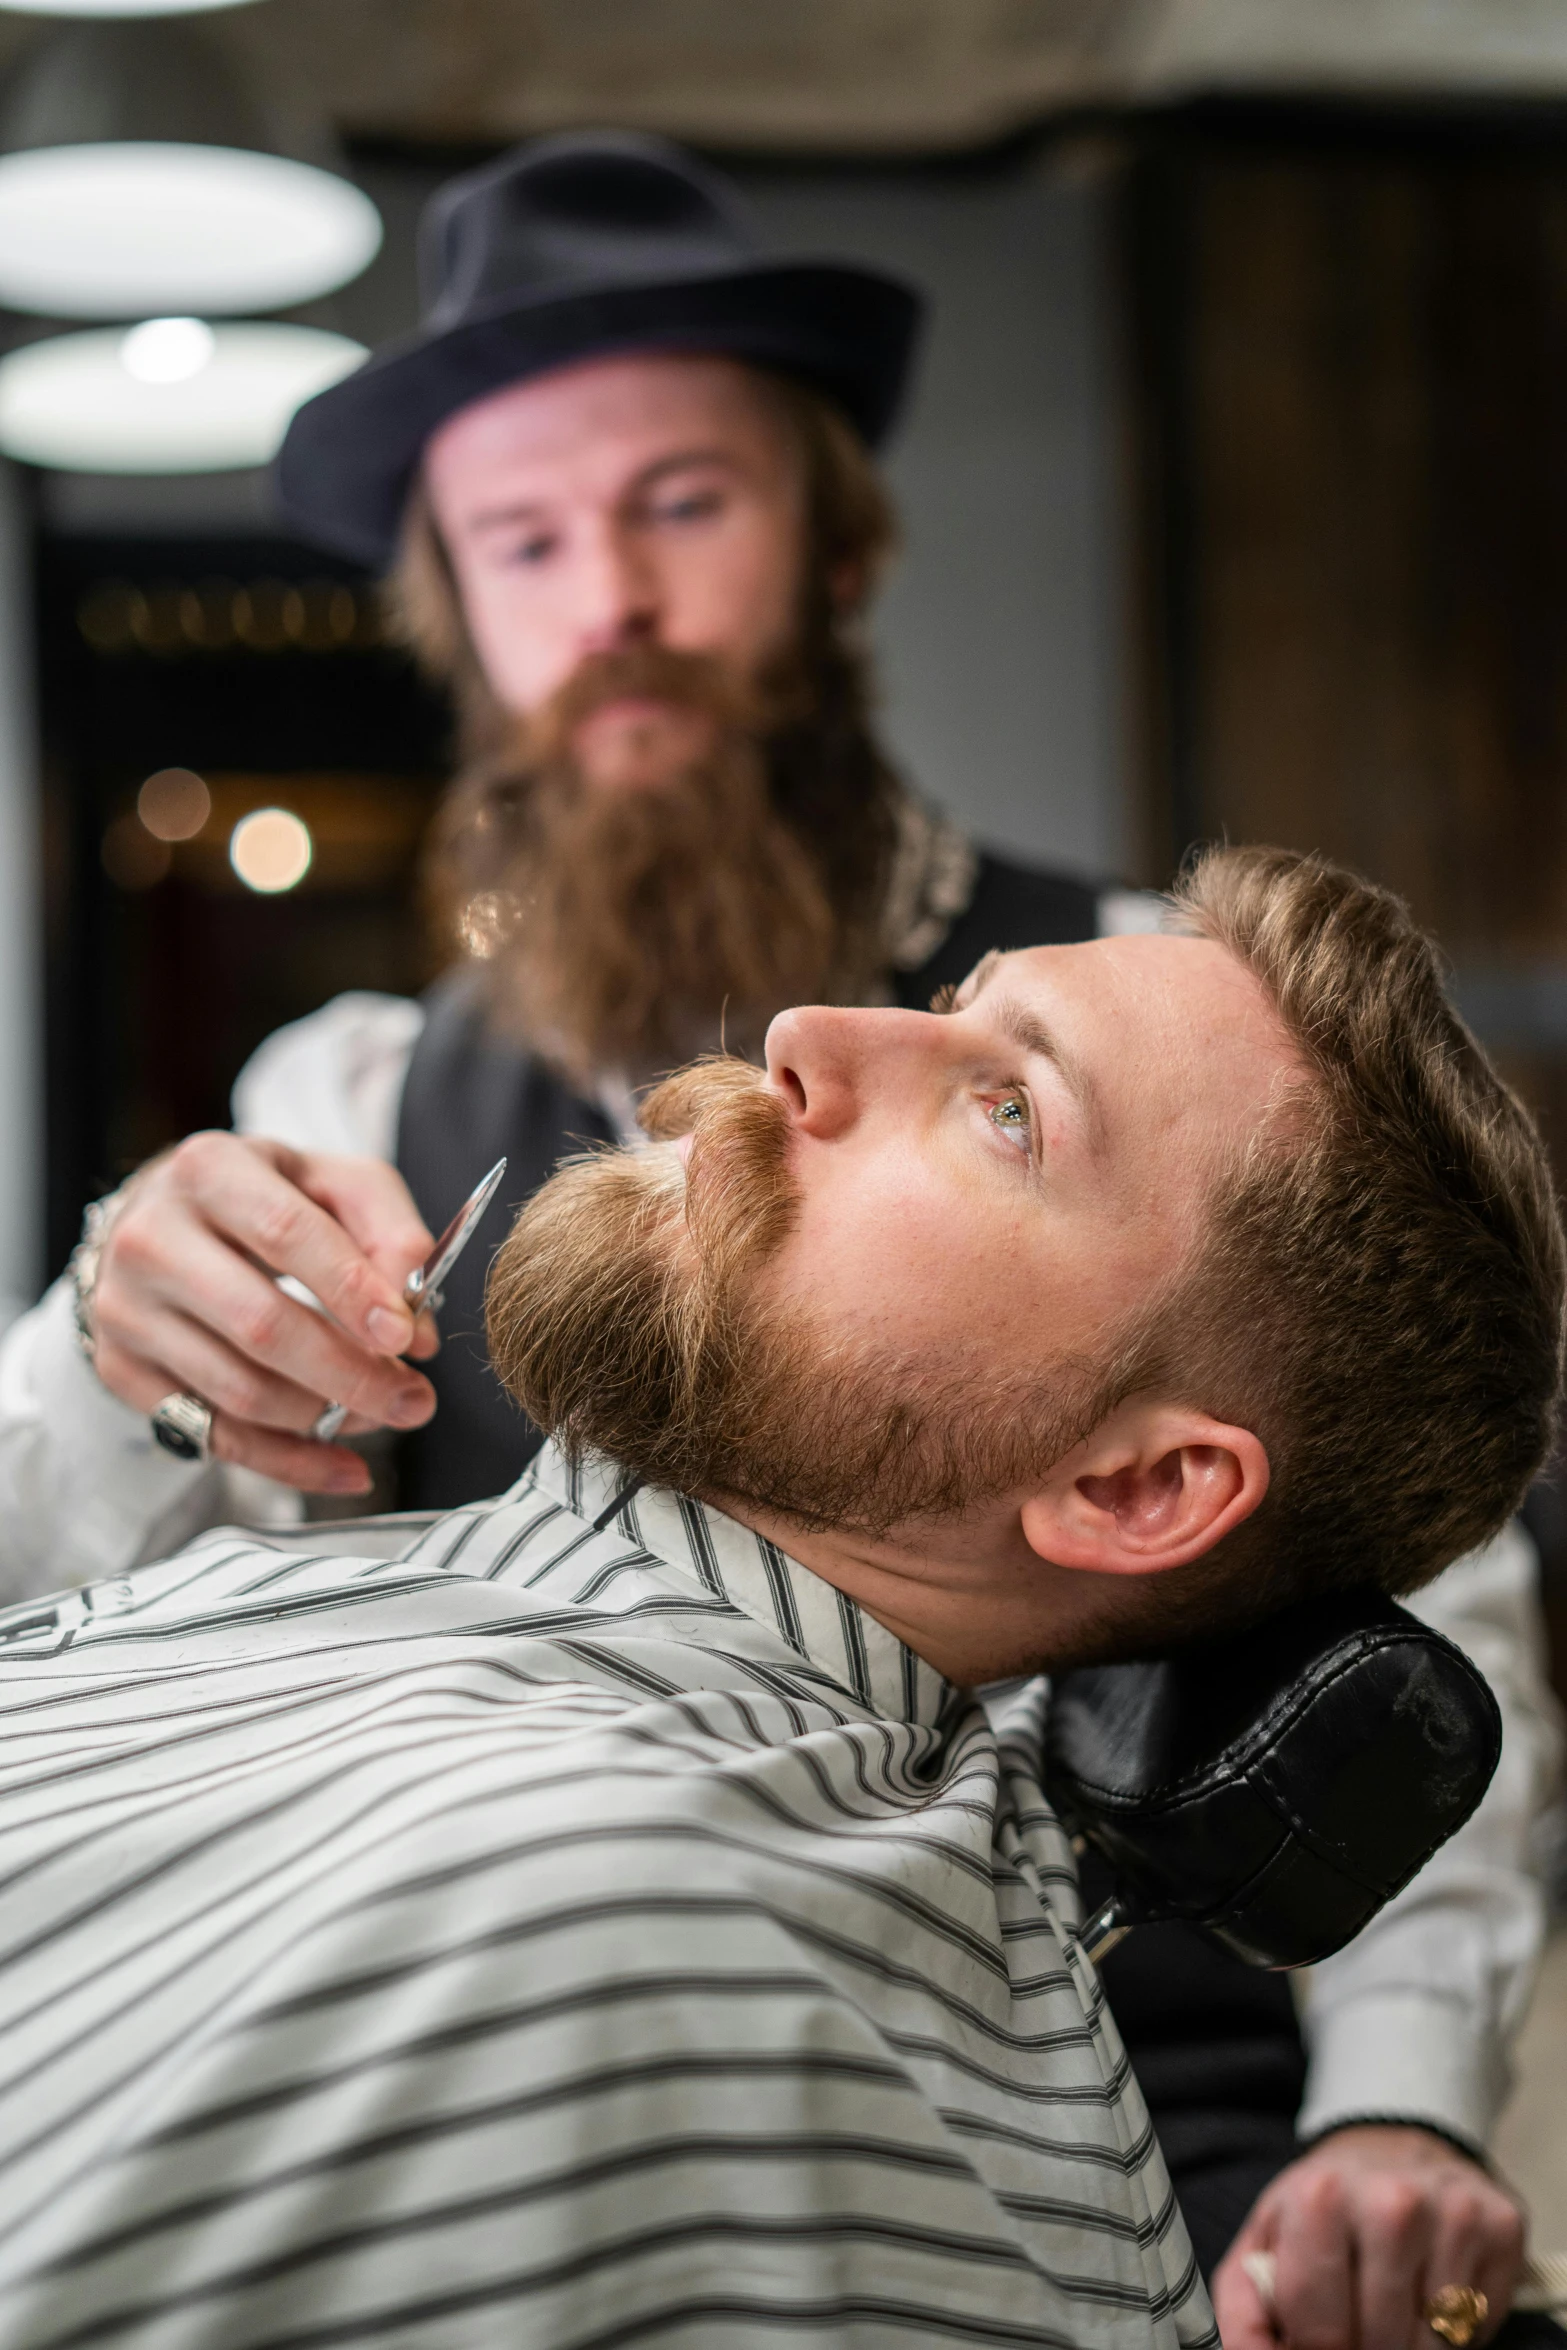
x,y
1171,1001
631,396
1172,965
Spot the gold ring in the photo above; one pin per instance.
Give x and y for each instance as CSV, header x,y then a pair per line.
x,y
1457,2312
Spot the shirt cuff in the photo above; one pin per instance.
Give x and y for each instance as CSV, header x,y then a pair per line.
x,y
113,1482
1408,2053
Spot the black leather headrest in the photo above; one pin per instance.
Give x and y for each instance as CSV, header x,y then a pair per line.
x,y
1280,1786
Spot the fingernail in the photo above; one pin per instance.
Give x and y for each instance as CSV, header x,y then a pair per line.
x,y
348,1477
390,1331
412,1407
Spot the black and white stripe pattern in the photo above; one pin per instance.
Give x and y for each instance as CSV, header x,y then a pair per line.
x,y
532,1933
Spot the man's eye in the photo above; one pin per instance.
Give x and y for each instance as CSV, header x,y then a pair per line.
x,y
693,506
1011,1114
536,549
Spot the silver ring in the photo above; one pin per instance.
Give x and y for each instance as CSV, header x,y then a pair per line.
x,y
326,1424
182,1424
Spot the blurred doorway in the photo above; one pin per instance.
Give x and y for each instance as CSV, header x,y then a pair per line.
x,y
261,674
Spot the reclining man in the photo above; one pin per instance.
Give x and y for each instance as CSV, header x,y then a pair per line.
x,y
612,1914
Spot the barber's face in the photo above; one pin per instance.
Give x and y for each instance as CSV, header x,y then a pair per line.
x,y
1008,1179
650,499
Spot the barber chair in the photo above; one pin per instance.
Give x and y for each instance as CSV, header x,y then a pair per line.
x,y
1277,1787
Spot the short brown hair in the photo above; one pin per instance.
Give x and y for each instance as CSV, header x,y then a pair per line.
x,y
851,529
1382,1294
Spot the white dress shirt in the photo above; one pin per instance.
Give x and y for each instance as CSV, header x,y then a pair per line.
x,y
560,1925
1415,2018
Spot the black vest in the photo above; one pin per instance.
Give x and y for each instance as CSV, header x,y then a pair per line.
x,y
469,1099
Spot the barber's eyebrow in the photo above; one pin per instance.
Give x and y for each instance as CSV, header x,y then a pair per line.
x,y
1033,1034
680,460
529,509
516,514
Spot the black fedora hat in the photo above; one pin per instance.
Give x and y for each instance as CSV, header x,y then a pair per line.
x,y
571,248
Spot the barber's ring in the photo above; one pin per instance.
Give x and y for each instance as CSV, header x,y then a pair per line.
x,y
183,1426
1456,2312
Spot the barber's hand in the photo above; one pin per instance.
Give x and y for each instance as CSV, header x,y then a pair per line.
x,y
1363,2230
185,1300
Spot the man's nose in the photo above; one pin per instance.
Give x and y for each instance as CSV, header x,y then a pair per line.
x,y
829,1062
617,595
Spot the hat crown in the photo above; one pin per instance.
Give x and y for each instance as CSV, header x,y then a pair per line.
x,y
569,249
571,213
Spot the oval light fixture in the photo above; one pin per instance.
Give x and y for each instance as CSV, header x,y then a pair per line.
x,y
139,174
94,403
127,226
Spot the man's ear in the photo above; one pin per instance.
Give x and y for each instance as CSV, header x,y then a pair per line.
x,y
1155,1486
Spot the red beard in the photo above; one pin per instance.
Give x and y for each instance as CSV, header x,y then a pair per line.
x,y
626,929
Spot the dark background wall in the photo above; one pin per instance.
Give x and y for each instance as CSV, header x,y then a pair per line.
x,y
1348,334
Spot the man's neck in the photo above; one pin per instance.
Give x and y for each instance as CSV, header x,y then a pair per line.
x,y
968,1596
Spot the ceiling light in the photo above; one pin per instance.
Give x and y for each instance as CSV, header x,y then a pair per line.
x,y
271,850
137,175
167,350
77,402
109,230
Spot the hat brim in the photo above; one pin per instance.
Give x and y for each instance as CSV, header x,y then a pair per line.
x,y
348,457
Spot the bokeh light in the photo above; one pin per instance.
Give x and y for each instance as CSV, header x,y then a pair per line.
x,y
132,858
271,850
486,922
167,350
174,804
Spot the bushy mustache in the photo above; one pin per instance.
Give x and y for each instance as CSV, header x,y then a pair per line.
x,y
617,1309
740,1199
650,672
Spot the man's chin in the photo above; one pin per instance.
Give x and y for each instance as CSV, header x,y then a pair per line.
x,y
641,745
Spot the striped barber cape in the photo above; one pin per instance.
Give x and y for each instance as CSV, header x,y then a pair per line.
x,y
562,1923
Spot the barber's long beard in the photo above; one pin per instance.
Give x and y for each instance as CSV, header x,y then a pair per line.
x,y
627,929
651,919
628,1315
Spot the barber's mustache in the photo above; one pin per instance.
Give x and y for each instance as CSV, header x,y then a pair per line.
x,y
648,672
